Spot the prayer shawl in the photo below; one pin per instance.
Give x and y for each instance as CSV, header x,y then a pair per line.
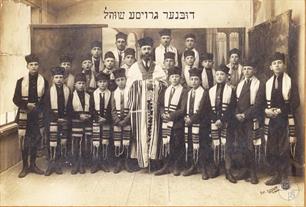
x,y
115,51
169,107
69,81
240,68
219,135
91,81
195,128
205,78
23,114
57,130
101,131
160,51
101,65
286,90
122,135
256,133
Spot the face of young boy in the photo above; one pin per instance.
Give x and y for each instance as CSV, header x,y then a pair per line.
x,y
102,84
277,66
189,43
220,77
121,82
234,58
174,79
169,63
248,71
121,44
33,67
207,63
189,60
109,63
96,52
86,64
195,81
58,80
66,65
129,60
165,40
80,85
145,51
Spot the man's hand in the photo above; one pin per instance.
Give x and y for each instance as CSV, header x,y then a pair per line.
x,y
31,106
121,123
165,116
187,121
84,117
240,117
61,120
101,119
218,123
271,113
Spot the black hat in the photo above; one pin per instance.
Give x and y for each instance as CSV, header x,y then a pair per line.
x,y
278,56
195,72
129,51
165,32
109,54
250,62
234,51
102,76
31,58
96,44
189,35
189,53
80,77
121,35
65,58
170,55
223,68
118,73
146,41
86,57
174,70
58,71
207,56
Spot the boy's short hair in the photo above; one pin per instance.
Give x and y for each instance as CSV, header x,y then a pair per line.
x,y
57,71
80,77
31,58
277,56
109,54
102,76
189,53
118,73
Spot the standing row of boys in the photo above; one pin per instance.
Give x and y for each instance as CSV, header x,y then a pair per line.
x,y
202,112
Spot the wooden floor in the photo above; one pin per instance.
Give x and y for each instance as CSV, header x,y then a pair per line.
x,y
139,188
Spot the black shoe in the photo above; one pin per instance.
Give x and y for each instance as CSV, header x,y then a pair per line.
x,y
23,172
189,171
49,171
95,168
242,175
82,169
104,167
58,170
135,166
127,166
285,183
274,180
204,175
33,168
229,176
164,170
75,169
215,173
176,171
118,167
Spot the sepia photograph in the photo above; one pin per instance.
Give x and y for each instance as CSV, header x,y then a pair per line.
x,y
152,103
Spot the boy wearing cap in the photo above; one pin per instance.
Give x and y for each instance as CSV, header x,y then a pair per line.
x,y
57,102
102,123
90,84
66,63
208,72
235,73
189,61
119,51
165,46
96,56
249,110
129,58
169,61
28,97
109,66
190,40
172,105
282,100
222,106
122,132
80,114
194,117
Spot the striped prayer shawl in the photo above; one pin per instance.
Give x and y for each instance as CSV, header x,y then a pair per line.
x,y
23,114
286,90
205,78
91,82
145,119
169,107
195,128
219,135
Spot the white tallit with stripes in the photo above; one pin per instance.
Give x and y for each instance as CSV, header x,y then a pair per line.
x,y
205,83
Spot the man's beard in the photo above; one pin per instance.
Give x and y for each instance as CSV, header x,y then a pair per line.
x,y
146,56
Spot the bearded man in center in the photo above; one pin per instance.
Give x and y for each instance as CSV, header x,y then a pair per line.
x,y
146,81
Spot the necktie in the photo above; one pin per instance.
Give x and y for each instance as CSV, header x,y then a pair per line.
x,y
171,96
120,58
276,82
121,104
60,101
97,64
218,95
147,64
165,49
191,102
234,75
102,104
